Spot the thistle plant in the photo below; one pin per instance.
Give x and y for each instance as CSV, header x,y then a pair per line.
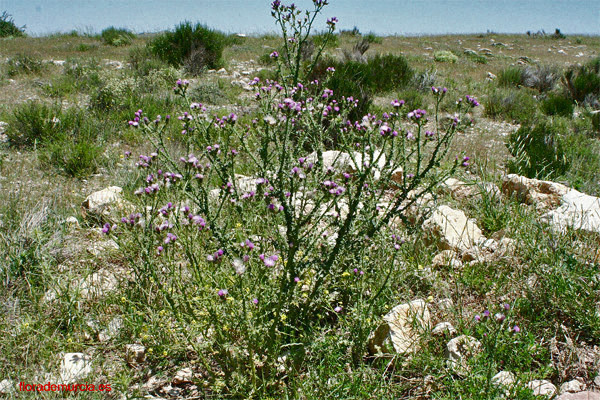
x,y
255,237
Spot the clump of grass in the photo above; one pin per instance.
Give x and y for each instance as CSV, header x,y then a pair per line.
x,y
9,28
511,105
117,36
445,56
543,77
194,46
557,105
67,139
539,149
510,77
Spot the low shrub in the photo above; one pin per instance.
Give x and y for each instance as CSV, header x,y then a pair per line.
x,y
539,149
557,105
445,56
208,93
413,99
113,93
78,76
33,123
194,46
75,156
382,73
476,58
425,80
24,64
583,82
84,47
542,77
583,152
511,105
330,41
8,27
117,36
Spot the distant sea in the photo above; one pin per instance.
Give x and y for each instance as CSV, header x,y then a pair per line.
x,y
385,17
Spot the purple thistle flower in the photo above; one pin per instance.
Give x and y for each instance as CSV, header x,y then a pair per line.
x,y
222,293
255,301
338,309
516,329
486,313
499,317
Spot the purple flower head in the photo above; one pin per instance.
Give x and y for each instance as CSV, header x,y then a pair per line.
x,y
507,306
477,318
338,309
332,21
255,301
270,261
170,238
397,103
486,313
274,54
296,279
499,317
222,293
516,329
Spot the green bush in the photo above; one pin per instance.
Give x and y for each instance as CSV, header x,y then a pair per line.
x,y
583,82
193,46
511,105
539,149
117,36
8,27
557,105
